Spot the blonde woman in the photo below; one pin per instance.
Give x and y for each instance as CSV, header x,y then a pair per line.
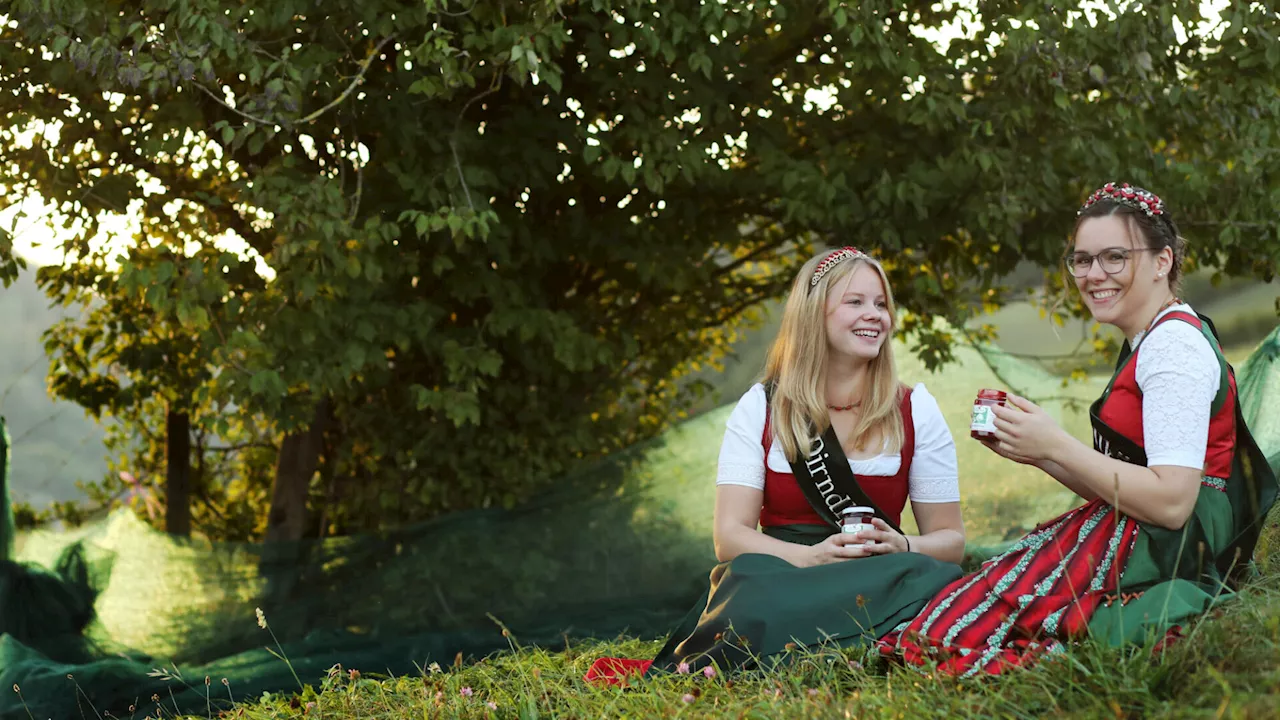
x,y
829,427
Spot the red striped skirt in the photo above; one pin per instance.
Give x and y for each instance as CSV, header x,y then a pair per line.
x,y
1024,602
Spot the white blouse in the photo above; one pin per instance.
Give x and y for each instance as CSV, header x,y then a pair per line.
x,y
934,474
1178,374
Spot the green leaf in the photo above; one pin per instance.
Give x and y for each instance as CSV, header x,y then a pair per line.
x,y
489,363
264,381
441,264
355,357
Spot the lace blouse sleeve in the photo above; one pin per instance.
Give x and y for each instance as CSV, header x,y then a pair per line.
x,y
1178,374
741,453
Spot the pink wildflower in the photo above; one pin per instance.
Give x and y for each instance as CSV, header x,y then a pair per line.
x,y
682,669
709,671
687,698
467,692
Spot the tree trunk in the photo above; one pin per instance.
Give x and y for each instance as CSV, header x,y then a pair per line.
x,y
295,465
177,490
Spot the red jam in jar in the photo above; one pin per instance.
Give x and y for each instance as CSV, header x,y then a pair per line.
x,y
857,519
983,424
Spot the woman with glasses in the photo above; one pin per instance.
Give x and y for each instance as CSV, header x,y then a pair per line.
x,y
1175,489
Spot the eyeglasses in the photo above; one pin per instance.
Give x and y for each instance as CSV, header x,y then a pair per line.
x,y
1112,260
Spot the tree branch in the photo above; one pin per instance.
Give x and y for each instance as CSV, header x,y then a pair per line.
x,y
355,202
364,67
754,254
184,185
453,145
359,80
252,118
241,446
973,343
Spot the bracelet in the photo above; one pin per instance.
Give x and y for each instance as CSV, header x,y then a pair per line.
x,y
908,541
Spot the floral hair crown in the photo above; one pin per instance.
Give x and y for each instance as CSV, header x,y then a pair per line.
x,y
1127,195
834,258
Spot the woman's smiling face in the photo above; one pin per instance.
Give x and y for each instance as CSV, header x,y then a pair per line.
x,y
1113,287
858,321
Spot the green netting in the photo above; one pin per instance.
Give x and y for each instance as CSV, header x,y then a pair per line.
x,y
622,547
1259,383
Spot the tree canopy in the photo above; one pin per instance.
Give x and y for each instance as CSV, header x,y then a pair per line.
x,y
498,236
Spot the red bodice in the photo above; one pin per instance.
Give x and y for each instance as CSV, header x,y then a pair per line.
x,y
1121,410
785,504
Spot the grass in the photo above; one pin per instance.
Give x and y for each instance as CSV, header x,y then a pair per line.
x,y
1226,668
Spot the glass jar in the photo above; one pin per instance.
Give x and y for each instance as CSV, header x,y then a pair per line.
x,y
982,426
856,519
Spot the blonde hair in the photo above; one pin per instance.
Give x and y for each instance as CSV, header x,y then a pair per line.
x,y
797,368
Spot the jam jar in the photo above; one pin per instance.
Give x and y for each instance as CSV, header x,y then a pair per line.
x,y
983,424
856,519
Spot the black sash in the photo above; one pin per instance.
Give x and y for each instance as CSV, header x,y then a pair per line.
x,y
1111,443
827,481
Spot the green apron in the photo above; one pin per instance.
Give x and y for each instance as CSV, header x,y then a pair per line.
x,y
758,606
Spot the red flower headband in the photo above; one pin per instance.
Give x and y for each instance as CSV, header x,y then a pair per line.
x,y
1127,195
835,258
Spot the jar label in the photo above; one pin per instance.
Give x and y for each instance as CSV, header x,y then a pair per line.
x,y
983,418
857,527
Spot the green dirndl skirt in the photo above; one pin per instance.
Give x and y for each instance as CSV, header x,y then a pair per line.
x,y
1151,601
757,606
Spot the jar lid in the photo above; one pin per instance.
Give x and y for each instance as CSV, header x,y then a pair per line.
x,y
992,394
857,509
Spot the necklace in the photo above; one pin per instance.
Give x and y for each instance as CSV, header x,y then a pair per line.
x,y
1168,304
840,408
